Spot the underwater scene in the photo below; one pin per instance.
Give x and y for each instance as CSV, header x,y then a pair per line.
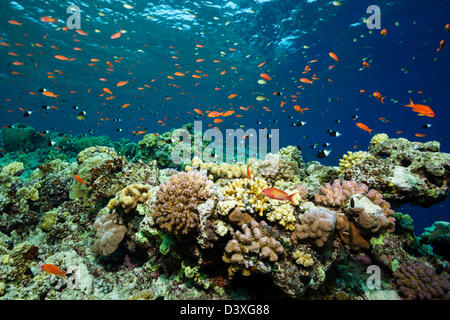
x,y
224,150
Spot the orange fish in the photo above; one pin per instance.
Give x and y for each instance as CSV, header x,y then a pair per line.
x,y
60,57
77,177
378,96
179,74
15,22
366,65
199,60
249,175
218,120
198,111
261,64
116,35
231,96
278,194
421,109
384,32
49,94
17,63
333,55
49,20
441,45
364,127
420,135
214,114
107,91
447,27
265,76
79,31
305,80
228,113
121,83
51,268
125,105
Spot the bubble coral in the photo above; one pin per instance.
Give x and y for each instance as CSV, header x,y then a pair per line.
x,y
416,280
176,206
256,242
315,225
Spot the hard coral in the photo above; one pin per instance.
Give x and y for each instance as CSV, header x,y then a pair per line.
x,y
248,194
176,206
255,242
316,225
416,280
109,234
337,194
128,198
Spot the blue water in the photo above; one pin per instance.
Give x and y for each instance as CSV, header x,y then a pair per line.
x,y
161,38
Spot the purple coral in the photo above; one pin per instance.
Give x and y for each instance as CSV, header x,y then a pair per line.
x,y
416,280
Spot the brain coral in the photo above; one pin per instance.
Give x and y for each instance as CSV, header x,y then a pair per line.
x,y
416,280
177,201
255,242
316,224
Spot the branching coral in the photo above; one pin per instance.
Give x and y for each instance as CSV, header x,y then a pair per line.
x,y
248,194
176,206
351,159
128,198
283,213
109,234
315,225
255,242
416,280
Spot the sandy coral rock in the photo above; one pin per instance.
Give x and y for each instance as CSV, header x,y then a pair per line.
x,y
366,214
275,168
12,169
316,226
176,209
94,151
128,198
109,234
350,234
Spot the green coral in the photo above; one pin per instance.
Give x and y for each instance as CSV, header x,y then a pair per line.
x,y
49,220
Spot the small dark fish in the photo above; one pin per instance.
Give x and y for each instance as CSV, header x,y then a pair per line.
x,y
326,144
75,107
45,107
51,143
323,154
27,113
333,133
337,121
354,117
119,130
427,126
42,90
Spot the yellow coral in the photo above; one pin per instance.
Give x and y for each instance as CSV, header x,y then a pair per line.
x,y
217,171
49,220
283,213
378,138
352,158
248,190
303,258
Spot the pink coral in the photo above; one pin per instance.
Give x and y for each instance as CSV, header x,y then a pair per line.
x,y
316,225
337,194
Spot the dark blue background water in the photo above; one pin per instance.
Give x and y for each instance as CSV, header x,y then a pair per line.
x,y
286,35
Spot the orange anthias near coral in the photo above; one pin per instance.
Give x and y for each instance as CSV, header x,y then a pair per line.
x,y
51,268
278,194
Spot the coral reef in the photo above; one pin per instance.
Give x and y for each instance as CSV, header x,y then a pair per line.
x,y
123,222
